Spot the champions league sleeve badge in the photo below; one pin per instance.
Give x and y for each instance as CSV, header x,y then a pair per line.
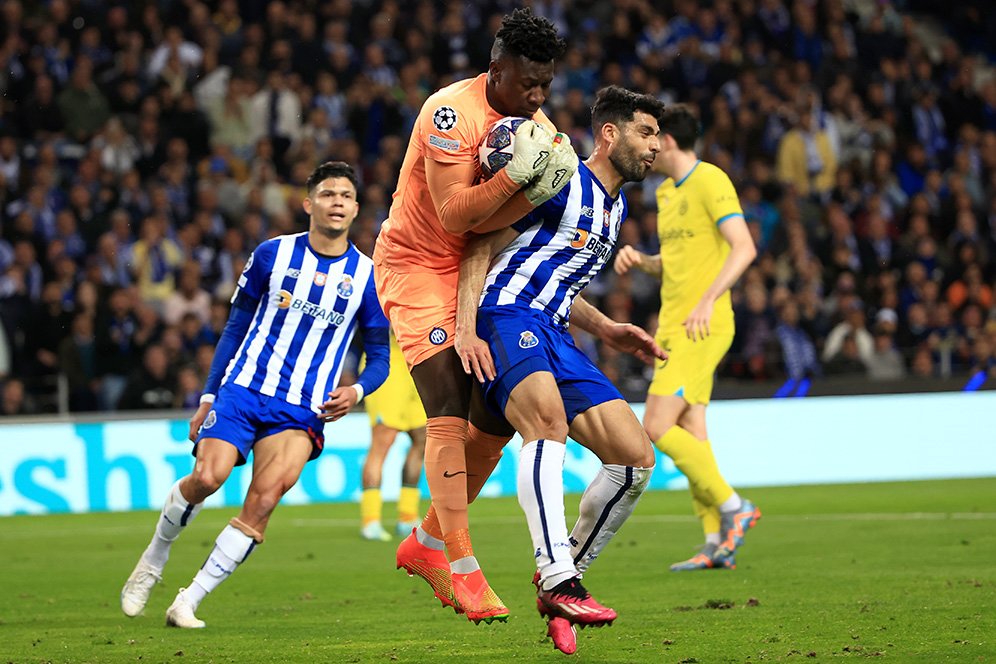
x,y
444,118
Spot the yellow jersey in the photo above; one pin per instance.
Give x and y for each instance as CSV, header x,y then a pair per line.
x,y
689,213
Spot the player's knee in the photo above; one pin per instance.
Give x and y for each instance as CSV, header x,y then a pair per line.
x,y
205,480
548,425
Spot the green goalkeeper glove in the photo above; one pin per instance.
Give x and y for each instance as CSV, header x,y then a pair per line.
x,y
530,152
559,170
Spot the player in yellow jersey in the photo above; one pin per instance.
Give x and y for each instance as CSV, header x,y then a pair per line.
x,y
705,247
393,408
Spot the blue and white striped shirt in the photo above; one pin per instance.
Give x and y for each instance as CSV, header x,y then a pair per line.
x,y
306,309
562,245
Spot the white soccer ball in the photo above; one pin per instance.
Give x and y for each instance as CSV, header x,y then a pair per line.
x,y
495,151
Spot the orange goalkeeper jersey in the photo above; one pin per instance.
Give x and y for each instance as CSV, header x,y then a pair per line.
x,y
450,127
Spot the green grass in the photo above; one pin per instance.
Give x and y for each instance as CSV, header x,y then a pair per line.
x,y
901,571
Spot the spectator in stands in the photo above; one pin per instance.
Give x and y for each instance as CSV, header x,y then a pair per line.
x,y
13,399
885,362
78,361
851,329
155,258
806,159
798,351
188,298
151,386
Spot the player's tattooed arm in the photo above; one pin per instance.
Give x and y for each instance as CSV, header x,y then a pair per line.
x,y
629,258
473,351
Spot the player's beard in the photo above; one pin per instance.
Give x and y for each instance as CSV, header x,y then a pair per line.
x,y
628,163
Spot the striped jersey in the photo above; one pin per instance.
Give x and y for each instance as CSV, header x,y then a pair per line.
x,y
307,308
561,246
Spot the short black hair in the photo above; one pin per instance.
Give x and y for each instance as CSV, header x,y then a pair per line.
x,y
332,169
680,123
525,34
617,105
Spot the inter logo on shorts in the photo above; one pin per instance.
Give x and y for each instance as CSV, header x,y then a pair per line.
x,y
437,336
210,420
320,278
528,340
345,287
444,118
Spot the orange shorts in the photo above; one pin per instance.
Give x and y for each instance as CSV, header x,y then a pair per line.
x,y
422,309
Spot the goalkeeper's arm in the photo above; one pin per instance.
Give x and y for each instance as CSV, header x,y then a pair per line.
x,y
463,207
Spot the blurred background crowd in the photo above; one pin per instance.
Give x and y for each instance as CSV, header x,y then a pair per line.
x,y
147,147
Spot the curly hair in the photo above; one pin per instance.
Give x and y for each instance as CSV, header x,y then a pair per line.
x,y
525,34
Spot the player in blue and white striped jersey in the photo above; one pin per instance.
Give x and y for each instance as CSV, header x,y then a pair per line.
x,y
273,384
536,376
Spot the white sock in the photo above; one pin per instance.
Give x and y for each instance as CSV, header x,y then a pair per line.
x,y
731,504
541,495
465,565
606,504
427,540
176,514
712,538
230,550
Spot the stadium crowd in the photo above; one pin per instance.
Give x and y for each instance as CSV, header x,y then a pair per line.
x,y
146,148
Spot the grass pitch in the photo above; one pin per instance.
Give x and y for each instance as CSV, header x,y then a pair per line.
x,y
900,571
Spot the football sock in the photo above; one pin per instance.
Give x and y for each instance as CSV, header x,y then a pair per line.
x,y
446,472
175,516
483,452
709,516
731,504
605,505
428,541
230,550
370,506
460,552
541,495
408,504
695,459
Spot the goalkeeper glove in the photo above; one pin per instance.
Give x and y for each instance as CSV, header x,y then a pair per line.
x,y
559,170
530,152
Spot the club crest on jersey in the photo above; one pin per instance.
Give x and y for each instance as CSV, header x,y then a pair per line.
x,y
528,340
444,118
437,336
320,278
345,287
580,238
210,420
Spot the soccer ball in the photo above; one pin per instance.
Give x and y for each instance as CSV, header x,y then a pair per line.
x,y
495,150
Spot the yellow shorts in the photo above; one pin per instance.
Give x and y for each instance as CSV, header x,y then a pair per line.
x,y
688,372
396,403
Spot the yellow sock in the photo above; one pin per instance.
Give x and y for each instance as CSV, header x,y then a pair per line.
x,y
695,459
408,504
370,504
709,516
